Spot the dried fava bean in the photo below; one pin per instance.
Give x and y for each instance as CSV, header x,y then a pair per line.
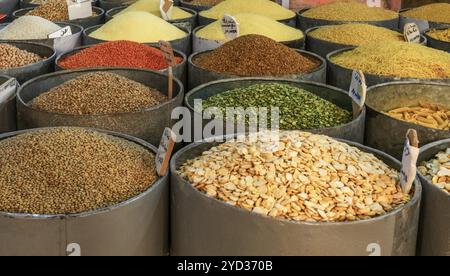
x,y
442,35
53,10
307,178
425,114
28,28
436,12
437,170
299,109
85,95
12,57
71,170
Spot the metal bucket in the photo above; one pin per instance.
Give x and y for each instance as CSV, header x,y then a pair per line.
x,y
352,131
182,44
27,4
83,22
7,110
24,73
201,44
386,133
147,124
324,47
138,226
434,231
202,21
197,8
438,44
202,225
8,7
111,4
179,71
306,23
423,25
341,77
198,76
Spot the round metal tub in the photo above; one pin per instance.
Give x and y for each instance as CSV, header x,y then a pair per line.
x,y
179,71
438,44
324,47
30,71
138,226
341,77
305,23
87,22
423,25
191,21
27,4
7,110
197,8
8,7
352,131
434,231
388,134
198,76
182,44
202,225
202,20
147,124
111,4
201,44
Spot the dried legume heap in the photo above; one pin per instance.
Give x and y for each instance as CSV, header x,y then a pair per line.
x,y
426,114
118,54
71,170
442,35
253,24
299,109
261,7
355,34
437,170
254,55
53,10
98,93
12,57
398,59
27,28
349,11
152,6
437,12
307,178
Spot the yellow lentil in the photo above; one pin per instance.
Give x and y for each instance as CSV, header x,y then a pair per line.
x,y
253,24
399,59
152,6
437,12
442,35
261,7
139,27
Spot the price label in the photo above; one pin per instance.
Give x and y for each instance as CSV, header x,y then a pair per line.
x,y
2,16
166,8
409,161
411,33
374,3
286,4
165,150
66,31
167,50
230,27
358,92
79,9
7,89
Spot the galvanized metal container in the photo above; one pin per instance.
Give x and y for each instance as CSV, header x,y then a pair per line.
x,y
305,23
30,71
87,22
352,131
324,47
28,4
182,44
179,71
111,4
147,124
438,44
7,110
202,225
197,8
8,7
138,226
388,134
198,76
423,25
434,231
341,77
200,44
202,20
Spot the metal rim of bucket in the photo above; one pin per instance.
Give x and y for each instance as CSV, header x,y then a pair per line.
x,y
18,42
129,201
79,30
415,198
99,14
277,80
91,70
114,11
432,23
431,39
78,49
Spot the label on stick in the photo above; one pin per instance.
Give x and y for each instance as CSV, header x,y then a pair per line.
x,y
167,50
409,161
412,33
358,88
7,89
165,150
79,9
63,32
230,27
166,9
374,3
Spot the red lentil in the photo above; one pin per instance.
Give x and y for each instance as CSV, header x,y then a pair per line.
x,y
117,54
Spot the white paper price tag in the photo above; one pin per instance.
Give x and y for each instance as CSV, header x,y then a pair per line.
x,y
286,4
165,150
166,9
7,89
374,3
409,161
63,32
358,88
79,9
412,33
230,27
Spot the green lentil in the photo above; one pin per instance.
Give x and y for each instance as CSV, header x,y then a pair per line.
x,y
299,109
